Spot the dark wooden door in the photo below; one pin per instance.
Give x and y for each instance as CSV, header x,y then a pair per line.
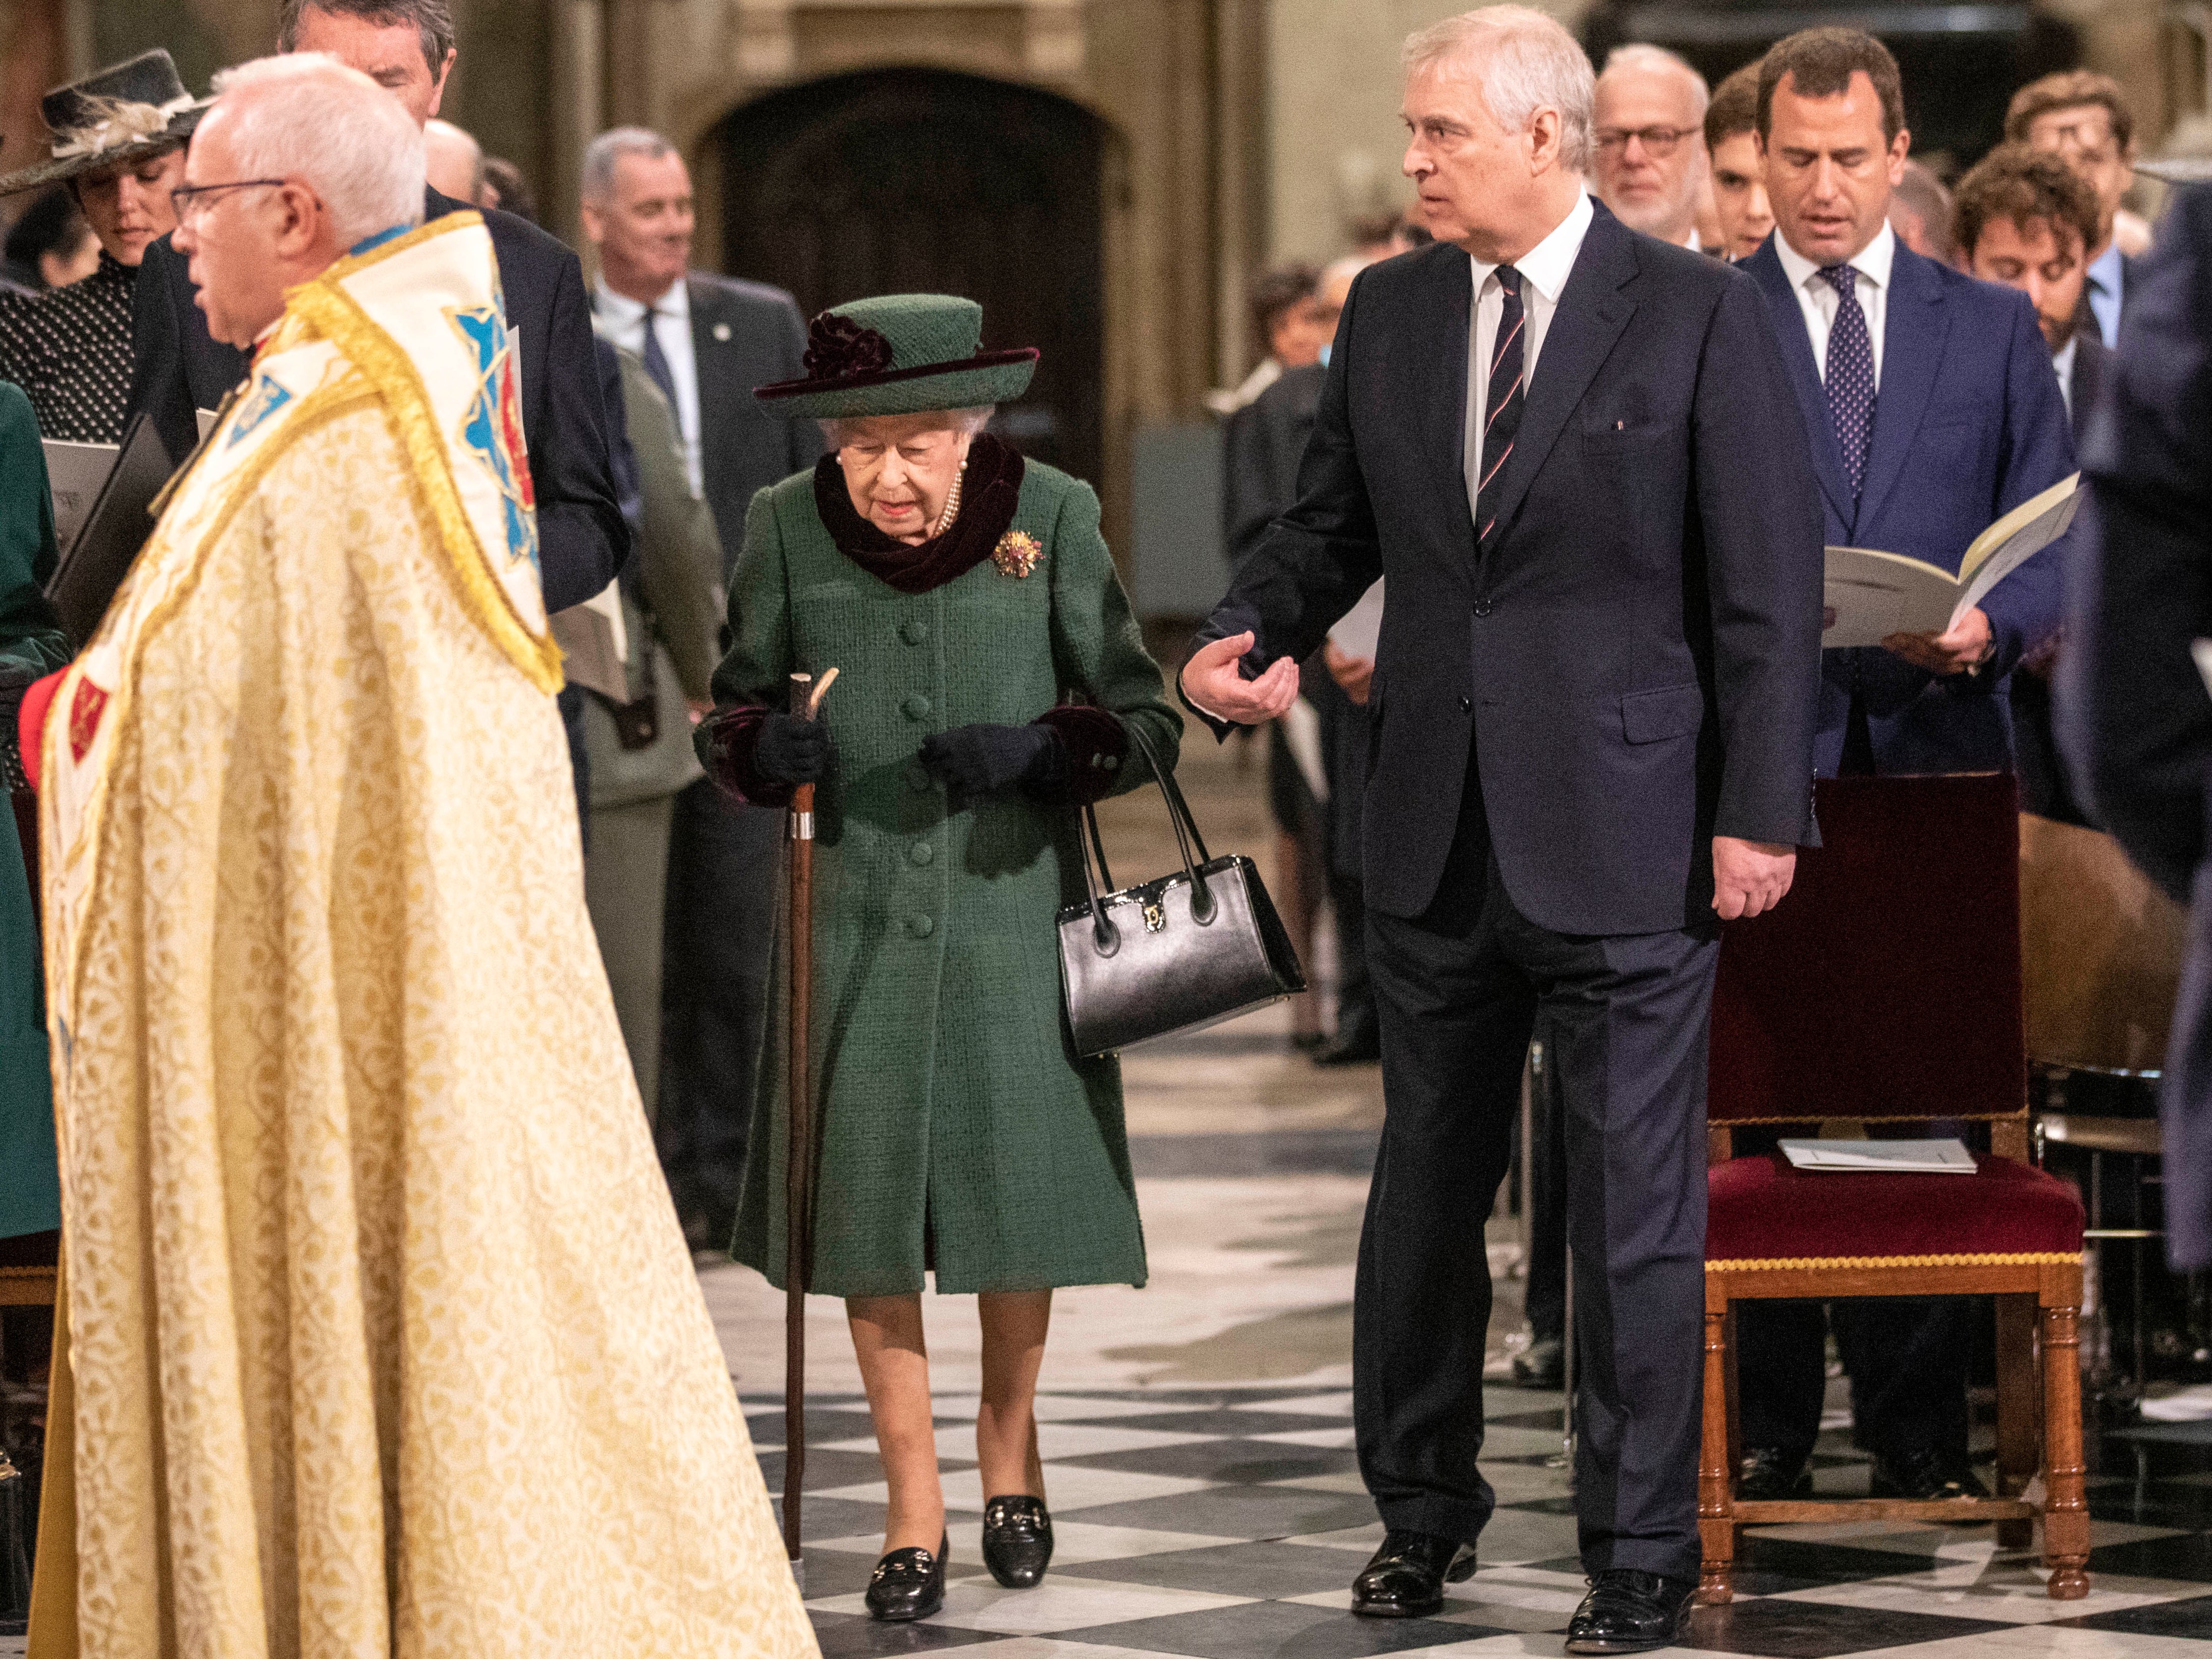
x,y
926,181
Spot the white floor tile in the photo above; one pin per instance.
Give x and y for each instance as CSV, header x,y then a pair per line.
x,y
2013,1592
1318,1405
1058,1407
956,1443
1056,1605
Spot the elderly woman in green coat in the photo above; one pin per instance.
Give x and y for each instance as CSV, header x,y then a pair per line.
x,y
991,674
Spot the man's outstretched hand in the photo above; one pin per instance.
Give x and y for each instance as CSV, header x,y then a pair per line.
x,y
1750,876
1210,680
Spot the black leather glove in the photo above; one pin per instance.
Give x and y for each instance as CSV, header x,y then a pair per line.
x,y
792,750
974,762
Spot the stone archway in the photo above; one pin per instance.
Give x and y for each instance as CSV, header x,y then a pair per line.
x,y
931,180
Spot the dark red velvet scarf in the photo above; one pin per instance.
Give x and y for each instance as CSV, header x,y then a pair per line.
x,y
987,499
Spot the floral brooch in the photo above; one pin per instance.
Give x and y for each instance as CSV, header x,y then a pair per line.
x,y
1016,553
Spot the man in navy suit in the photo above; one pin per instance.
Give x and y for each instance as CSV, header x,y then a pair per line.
x,y
1572,450
1931,409
406,46
2133,715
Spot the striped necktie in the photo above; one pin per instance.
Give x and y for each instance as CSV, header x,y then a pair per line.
x,y
1503,403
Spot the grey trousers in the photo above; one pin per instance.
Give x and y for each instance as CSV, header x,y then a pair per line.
x,y
625,888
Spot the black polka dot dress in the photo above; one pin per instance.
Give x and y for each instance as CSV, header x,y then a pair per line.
x,y
70,349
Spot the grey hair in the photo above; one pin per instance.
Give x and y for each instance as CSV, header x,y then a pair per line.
x,y
1529,63
334,130
597,182
433,20
967,421
1636,55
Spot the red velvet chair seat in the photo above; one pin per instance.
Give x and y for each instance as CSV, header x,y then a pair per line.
x,y
1762,1209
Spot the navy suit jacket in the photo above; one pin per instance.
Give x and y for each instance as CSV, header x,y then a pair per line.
x,y
2134,717
746,335
1633,663
581,538
1968,425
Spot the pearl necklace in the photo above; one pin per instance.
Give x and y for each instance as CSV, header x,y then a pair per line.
x,y
951,503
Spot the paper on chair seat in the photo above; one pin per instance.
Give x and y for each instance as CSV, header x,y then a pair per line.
x,y
1946,1157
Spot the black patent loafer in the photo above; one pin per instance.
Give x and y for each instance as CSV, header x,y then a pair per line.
x,y
908,1585
1927,1475
1405,1578
1630,1612
1017,1539
1770,1474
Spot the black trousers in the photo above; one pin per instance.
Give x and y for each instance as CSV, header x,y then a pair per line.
x,y
1458,990
724,861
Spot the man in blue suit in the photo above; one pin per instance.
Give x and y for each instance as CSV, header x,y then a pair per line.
x,y
1932,410
1929,402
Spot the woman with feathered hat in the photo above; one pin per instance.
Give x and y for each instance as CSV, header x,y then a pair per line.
x,y
117,142
991,677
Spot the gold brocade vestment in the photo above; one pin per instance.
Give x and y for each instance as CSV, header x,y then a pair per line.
x,y
383,1338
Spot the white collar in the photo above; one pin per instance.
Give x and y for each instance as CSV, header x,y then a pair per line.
x,y
1871,262
1552,261
2062,359
676,302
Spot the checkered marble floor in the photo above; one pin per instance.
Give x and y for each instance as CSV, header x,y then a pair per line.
x,y
1227,1523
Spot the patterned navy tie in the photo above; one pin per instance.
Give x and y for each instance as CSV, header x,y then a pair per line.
x,y
656,362
1502,404
1850,374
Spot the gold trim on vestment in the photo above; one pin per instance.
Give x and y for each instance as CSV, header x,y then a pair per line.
x,y
333,314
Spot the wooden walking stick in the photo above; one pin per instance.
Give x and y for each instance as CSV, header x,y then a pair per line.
x,y
798,1140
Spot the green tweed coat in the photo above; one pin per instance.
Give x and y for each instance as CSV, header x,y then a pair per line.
x,y
959,1132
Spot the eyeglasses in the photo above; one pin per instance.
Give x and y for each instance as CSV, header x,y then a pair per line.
x,y
188,200
1658,141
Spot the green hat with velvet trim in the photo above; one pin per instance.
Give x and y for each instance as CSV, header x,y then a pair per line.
x,y
900,354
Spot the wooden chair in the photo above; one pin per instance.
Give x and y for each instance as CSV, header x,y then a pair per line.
x,y
1887,989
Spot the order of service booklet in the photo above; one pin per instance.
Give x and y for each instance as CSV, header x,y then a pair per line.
x,y
1948,1156
1874,595
75,473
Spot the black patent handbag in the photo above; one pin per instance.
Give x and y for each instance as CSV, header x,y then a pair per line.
x,y
1198,945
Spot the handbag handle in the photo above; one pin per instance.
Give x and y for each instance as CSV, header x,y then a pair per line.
x,y
1096,886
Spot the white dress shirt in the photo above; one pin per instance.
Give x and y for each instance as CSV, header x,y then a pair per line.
x,y
2063,360
1820,301
1543,271
672,327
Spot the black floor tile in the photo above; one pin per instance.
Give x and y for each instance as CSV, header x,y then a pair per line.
x,y
1245,1512
831,1517
1813,1630
1234,1463
1534,1418
821,1426
852,1635
2180,1555
833,1469
1265,1569
1222,1421
1797,1564
1277,1630
2191,1616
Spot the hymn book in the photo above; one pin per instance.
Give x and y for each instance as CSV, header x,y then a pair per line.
x,y
1873,595
1948,1157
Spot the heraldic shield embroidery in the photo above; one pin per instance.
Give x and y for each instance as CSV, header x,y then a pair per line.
x,y
492,430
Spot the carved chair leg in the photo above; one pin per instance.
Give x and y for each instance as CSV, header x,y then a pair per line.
x,y
1715,1473
2066,1508
2019,1438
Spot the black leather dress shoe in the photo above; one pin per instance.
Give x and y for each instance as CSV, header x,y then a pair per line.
x,y
1630,1612
1405,1578
1924,1473
908,1585
1017,1539
1770,1474
1541,1364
